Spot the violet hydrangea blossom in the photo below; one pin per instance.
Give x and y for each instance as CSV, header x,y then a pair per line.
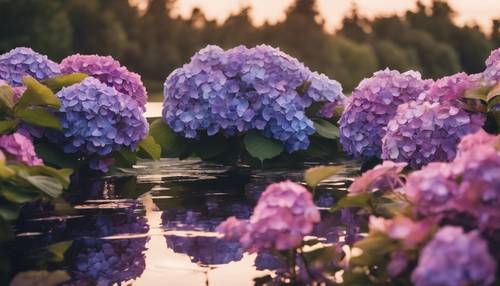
x,y
230,92
492,71
372,104
384,177
451,88
284,214
424,132
481,137
20,148
455,258
97,119
110,72
21,62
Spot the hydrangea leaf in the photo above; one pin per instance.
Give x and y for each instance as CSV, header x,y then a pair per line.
x,y
7,125
48,185
314,176
171,143
62,175
39,116
150,147
7,98
52,155
58,82
326,129
357,201
18,195
37,94
261,147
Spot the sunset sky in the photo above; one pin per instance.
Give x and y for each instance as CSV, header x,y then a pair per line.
x,y
469,11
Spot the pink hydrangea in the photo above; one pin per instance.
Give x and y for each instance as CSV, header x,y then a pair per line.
x,y
108,71
20,148
404,229
492,71
284,214
450,88
384,177
481,137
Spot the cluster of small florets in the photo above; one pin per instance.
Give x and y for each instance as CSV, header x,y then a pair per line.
x,y
467,186
21,62
284,214
110,72
451,88
20,148
97,119
372,104
492,71
424,132
234,91
453,258
384,177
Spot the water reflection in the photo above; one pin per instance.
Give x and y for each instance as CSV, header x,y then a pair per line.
x,y
158,227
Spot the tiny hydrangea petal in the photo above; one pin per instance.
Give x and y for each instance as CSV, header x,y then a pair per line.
x,y
424,132
455,258
372,104
230,92
108,71
21,62
20,148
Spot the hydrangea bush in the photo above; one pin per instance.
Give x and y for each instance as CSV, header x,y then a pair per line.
x,y
241,89
372,105
20,62
110,72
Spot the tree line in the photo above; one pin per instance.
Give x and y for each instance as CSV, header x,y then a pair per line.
x,y
153,43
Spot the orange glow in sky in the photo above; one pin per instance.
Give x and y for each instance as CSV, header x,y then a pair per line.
x,y
469,11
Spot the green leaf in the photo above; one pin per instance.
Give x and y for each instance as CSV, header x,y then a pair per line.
x,y
125,158
58,82
326,129
476,93
7,97
374,248
357,201
494,92
18,195
6,232
51,154
57,250
212,146
7,125
62,175
48,185
39,116
5,171
494,101
172,144
36,94
8,211
314,176
151,148
261,147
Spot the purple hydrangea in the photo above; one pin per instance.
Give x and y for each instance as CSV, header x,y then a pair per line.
x,y
110,72
451,88
97,119
21,62
234,91
467,187
284,214
455,258
424,132
20,148
384,177
372,104
492,71
411,233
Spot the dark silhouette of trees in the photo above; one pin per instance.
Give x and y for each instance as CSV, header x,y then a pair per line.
x,y
153,42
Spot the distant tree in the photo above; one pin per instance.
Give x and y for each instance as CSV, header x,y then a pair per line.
x,y
392,56
354,26
495,33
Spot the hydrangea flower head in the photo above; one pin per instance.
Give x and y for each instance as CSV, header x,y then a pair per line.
x,y
372,104
110,72
20,148
384,177
234,91
97,119
481,137
451,88
284,214
455,258
492,71
404,229
424,132
21,62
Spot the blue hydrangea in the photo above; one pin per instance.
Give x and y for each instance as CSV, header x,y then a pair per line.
x,y
372,104
234,91
21,62
97,119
